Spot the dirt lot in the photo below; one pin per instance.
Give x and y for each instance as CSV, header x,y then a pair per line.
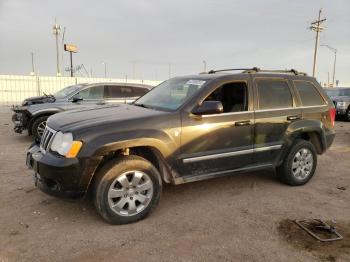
x,y
236,218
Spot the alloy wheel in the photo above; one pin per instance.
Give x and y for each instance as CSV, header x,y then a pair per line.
x,y
41,128
302,164
130,193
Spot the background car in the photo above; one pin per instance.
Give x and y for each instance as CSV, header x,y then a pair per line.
x,y
34,111
341,100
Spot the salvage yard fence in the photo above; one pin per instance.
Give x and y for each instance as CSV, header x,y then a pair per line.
x,y
15,88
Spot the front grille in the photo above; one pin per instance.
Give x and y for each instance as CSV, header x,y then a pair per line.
x,y
46,139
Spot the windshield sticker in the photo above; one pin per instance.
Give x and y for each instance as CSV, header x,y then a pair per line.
x,y
198,83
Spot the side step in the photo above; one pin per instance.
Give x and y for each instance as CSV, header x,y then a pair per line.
x,y
193,178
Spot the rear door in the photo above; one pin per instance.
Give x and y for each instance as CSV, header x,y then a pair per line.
x,y
275,109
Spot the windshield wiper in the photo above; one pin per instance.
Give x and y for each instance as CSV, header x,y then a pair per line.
x,y
142,105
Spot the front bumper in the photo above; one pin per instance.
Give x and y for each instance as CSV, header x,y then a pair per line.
x,y
60,176
20,119
340,111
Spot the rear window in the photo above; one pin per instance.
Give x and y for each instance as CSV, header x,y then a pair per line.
x,y
119,91
274,94
308,93
139,91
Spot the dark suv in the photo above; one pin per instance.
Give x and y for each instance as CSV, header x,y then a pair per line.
x,y
34,111
186,129
341,100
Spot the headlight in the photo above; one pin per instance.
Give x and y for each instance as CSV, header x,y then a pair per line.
x,y
341,104
64,144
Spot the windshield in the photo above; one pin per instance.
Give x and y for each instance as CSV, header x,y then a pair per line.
x,y
171,94
67,91
338,92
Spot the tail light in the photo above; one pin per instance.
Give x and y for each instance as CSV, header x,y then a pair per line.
x,y
331,112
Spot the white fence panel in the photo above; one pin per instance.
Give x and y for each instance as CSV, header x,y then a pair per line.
x,y
15,88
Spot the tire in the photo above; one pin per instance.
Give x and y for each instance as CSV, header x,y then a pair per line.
x,y
38,127
121,201
347,115
301,155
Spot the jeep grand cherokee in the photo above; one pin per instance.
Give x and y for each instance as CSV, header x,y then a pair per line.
x,y
186,129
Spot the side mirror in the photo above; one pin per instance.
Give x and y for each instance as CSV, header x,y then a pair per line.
x,y
209,108
76,98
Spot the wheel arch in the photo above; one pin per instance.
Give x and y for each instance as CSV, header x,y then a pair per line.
x,y
309,130
36,115
146,151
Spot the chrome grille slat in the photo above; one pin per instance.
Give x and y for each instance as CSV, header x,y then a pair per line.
x,y
46,139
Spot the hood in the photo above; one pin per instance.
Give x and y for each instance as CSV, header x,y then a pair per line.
x,y
38,100
97,116
341,98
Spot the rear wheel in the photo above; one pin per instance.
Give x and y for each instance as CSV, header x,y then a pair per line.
x,y
299,165
127,189
38,127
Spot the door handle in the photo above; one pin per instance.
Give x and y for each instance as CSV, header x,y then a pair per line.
x,y
242,123
293,118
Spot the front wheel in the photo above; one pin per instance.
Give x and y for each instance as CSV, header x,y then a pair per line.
x,y
299,165
38,127
127,189
347,115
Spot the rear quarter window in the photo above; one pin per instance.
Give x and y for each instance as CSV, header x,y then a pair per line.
x,y
308,93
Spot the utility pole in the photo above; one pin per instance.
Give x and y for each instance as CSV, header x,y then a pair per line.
x,y
335,60
317,27
33,68
56,32
327,79
62,63
205,66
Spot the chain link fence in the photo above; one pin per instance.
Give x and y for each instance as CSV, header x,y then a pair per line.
x,y
15,88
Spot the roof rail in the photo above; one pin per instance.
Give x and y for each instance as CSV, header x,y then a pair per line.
x,y
232,69
291,71
254,70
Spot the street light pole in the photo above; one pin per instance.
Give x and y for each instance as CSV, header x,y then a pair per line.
x,y
104,63
56,32
335,60
205,65
33,68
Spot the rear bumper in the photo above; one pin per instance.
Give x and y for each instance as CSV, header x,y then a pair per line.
x,y
329,138
340,111
60,176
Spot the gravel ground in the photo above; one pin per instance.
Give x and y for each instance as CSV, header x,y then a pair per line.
x,y
243,217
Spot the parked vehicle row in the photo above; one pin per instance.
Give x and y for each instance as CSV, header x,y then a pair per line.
x,y
34,112
341,100
184,130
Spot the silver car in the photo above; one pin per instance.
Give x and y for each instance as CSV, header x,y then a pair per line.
x,y
33,112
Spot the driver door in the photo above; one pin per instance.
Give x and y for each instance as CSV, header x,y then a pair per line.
x,y
219,143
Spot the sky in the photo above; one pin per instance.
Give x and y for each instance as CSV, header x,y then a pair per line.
x,y
152,39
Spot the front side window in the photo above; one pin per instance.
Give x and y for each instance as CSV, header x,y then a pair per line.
x,y
233,97
171,94
308,94
94,92
273,94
